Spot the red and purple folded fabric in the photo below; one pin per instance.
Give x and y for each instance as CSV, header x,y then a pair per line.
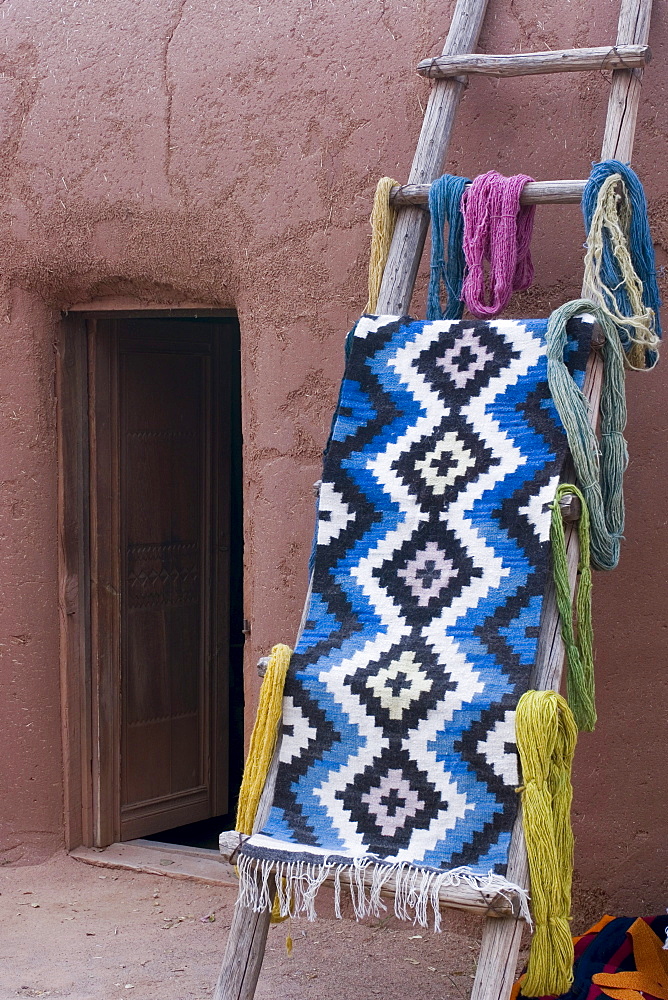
x,y
621,958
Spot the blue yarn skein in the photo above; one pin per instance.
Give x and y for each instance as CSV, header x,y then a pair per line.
x,y
445,195
640,244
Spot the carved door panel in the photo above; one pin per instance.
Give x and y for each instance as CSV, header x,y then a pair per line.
x,y
162,478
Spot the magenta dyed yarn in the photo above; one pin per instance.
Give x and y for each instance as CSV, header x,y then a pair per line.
x,y
497,229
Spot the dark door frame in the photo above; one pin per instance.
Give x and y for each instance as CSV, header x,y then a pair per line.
x,y
87,820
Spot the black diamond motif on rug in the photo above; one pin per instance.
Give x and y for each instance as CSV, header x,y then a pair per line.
x,y
401,686
427,572
390,799
441,464
462,361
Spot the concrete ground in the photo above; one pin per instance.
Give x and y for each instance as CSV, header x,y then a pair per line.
x,y
72,930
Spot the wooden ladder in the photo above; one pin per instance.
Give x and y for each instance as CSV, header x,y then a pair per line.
x,y
502,929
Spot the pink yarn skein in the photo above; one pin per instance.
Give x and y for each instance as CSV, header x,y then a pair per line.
x,y
497,229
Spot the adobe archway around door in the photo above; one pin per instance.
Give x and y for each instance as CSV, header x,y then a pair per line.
x,y
142,392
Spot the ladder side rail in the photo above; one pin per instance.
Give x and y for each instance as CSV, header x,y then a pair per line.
x,y
620,122
246,942
412,223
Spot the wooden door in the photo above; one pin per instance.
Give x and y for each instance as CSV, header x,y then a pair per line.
x,y
160,483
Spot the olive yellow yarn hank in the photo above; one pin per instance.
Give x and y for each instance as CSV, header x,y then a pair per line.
x,y
546,734
262,746
263,738
383,218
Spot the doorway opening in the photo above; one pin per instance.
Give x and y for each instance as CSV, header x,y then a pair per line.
x,y
151,520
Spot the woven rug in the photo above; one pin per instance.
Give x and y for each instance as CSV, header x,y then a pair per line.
x,y
398,758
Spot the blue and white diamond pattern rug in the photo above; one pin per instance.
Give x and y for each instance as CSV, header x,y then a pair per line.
x,y
398,758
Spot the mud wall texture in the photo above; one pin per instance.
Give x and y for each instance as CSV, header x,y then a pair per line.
x,y
193,151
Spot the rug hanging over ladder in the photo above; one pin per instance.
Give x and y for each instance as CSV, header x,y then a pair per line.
x,y
398,760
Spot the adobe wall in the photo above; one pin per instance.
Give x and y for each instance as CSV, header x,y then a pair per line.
x,y
226,154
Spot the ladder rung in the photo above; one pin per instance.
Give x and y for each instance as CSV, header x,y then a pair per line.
x,y
533,193
528,63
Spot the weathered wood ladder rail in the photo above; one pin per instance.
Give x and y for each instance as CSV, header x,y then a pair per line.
x,y
502,927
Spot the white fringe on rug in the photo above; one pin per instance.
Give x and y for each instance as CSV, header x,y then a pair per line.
x,y
415,890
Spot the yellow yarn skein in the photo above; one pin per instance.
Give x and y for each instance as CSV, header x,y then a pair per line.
x,y
546,734
383,218
263,738
262,746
